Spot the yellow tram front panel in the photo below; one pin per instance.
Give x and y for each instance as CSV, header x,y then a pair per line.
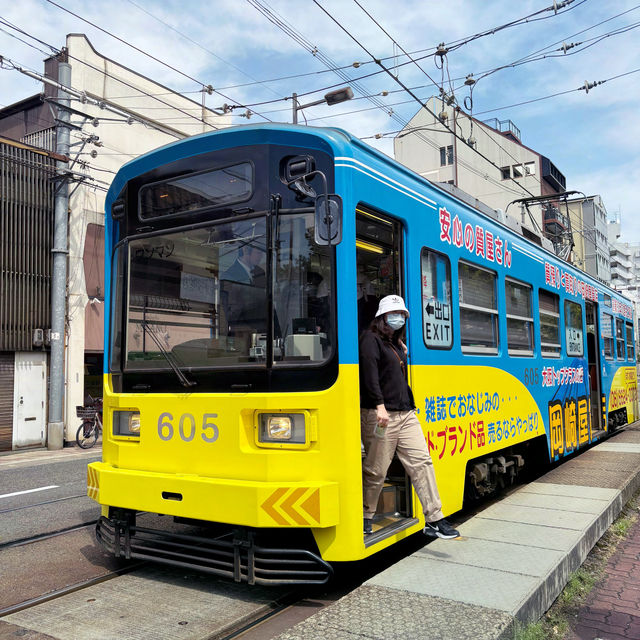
x,y
211,466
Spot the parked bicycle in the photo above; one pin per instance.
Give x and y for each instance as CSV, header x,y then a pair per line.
x,y
91,427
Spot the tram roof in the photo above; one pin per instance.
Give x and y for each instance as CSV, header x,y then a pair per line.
x,y
340,140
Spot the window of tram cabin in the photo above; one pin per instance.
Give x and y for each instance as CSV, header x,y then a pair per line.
x,y
620,338
549,306
630,347
573,328
378,258
437,319
519,318
478,309
607,335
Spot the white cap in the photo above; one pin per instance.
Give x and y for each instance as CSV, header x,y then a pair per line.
x,y
391,303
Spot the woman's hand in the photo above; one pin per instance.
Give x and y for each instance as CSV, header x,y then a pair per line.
x,y
404,346
383,416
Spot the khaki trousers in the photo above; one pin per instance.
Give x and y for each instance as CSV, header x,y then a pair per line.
x,y
403,436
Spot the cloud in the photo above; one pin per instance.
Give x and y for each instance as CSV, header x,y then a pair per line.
x,y
590,137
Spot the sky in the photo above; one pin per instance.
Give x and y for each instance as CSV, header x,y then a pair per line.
x,y
257,53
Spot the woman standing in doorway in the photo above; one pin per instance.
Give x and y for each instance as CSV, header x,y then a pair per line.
x,y
388,421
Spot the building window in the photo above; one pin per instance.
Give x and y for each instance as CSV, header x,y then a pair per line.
x,y
446,155
519,318
478,309
607,334
573,328
630,354
620,338
518,171
529,168
437,317
549,304
505,173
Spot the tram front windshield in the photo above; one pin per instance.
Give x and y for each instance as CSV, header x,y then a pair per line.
x,y
198,298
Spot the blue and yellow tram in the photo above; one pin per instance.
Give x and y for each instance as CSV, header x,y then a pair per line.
x,y
241,266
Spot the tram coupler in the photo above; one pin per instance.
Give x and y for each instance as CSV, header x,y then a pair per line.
x,y
122,520
243,540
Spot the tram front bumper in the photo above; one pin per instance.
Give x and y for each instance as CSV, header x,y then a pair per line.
x,y
238,502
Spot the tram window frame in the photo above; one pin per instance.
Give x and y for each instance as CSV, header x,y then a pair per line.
x,y
514,319
630,345
577,339
608,340
549,349
619,339
430,343
470,309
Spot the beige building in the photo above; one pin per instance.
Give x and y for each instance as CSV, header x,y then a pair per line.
x,y
117,115
589,232
491,164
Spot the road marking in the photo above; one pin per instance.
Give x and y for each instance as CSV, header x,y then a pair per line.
x,y
19,493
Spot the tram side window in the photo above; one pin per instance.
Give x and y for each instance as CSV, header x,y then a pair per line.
x,y
573,328
630,349
478,309
437,320
549,304
620,338
607,335
519,318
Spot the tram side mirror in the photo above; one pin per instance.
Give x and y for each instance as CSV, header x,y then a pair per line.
x,y
328,223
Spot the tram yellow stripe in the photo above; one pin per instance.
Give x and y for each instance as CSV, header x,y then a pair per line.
x,y
269,505
312,505
288,506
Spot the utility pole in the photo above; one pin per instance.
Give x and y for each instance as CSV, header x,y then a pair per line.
x,y
55,428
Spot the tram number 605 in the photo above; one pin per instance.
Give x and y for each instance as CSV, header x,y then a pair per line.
x,y
187,427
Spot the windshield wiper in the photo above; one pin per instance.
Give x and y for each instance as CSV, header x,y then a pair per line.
x,y
184,381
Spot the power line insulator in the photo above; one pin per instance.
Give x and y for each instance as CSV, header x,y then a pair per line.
x,y
590,85
442,50
469,80
356,65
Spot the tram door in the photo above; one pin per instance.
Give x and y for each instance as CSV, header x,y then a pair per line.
x,y
379,267
593,362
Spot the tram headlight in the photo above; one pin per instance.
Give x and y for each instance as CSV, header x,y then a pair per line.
x,y
126,423
282,428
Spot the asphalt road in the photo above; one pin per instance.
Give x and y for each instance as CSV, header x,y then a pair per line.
x,y
44,493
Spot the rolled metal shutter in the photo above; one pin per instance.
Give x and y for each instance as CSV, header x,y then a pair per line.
x,y
7,367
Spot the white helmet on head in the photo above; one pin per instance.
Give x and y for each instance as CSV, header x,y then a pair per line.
x,y
391,303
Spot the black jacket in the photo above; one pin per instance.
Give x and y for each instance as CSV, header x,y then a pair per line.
x,y
383,378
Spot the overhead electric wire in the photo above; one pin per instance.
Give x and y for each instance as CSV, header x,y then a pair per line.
x,y
393,40
556,52
424,105
456,44
197,44
166,64
428,76
125,83
275,19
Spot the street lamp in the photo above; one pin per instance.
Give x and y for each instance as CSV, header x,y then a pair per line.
x,y
333,97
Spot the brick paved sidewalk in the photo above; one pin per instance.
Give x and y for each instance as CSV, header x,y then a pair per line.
x,y
612,611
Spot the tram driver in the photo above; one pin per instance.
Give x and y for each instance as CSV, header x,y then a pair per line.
x,y
388,420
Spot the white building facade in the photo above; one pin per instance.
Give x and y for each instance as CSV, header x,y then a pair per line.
x,y
117,115
490,162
